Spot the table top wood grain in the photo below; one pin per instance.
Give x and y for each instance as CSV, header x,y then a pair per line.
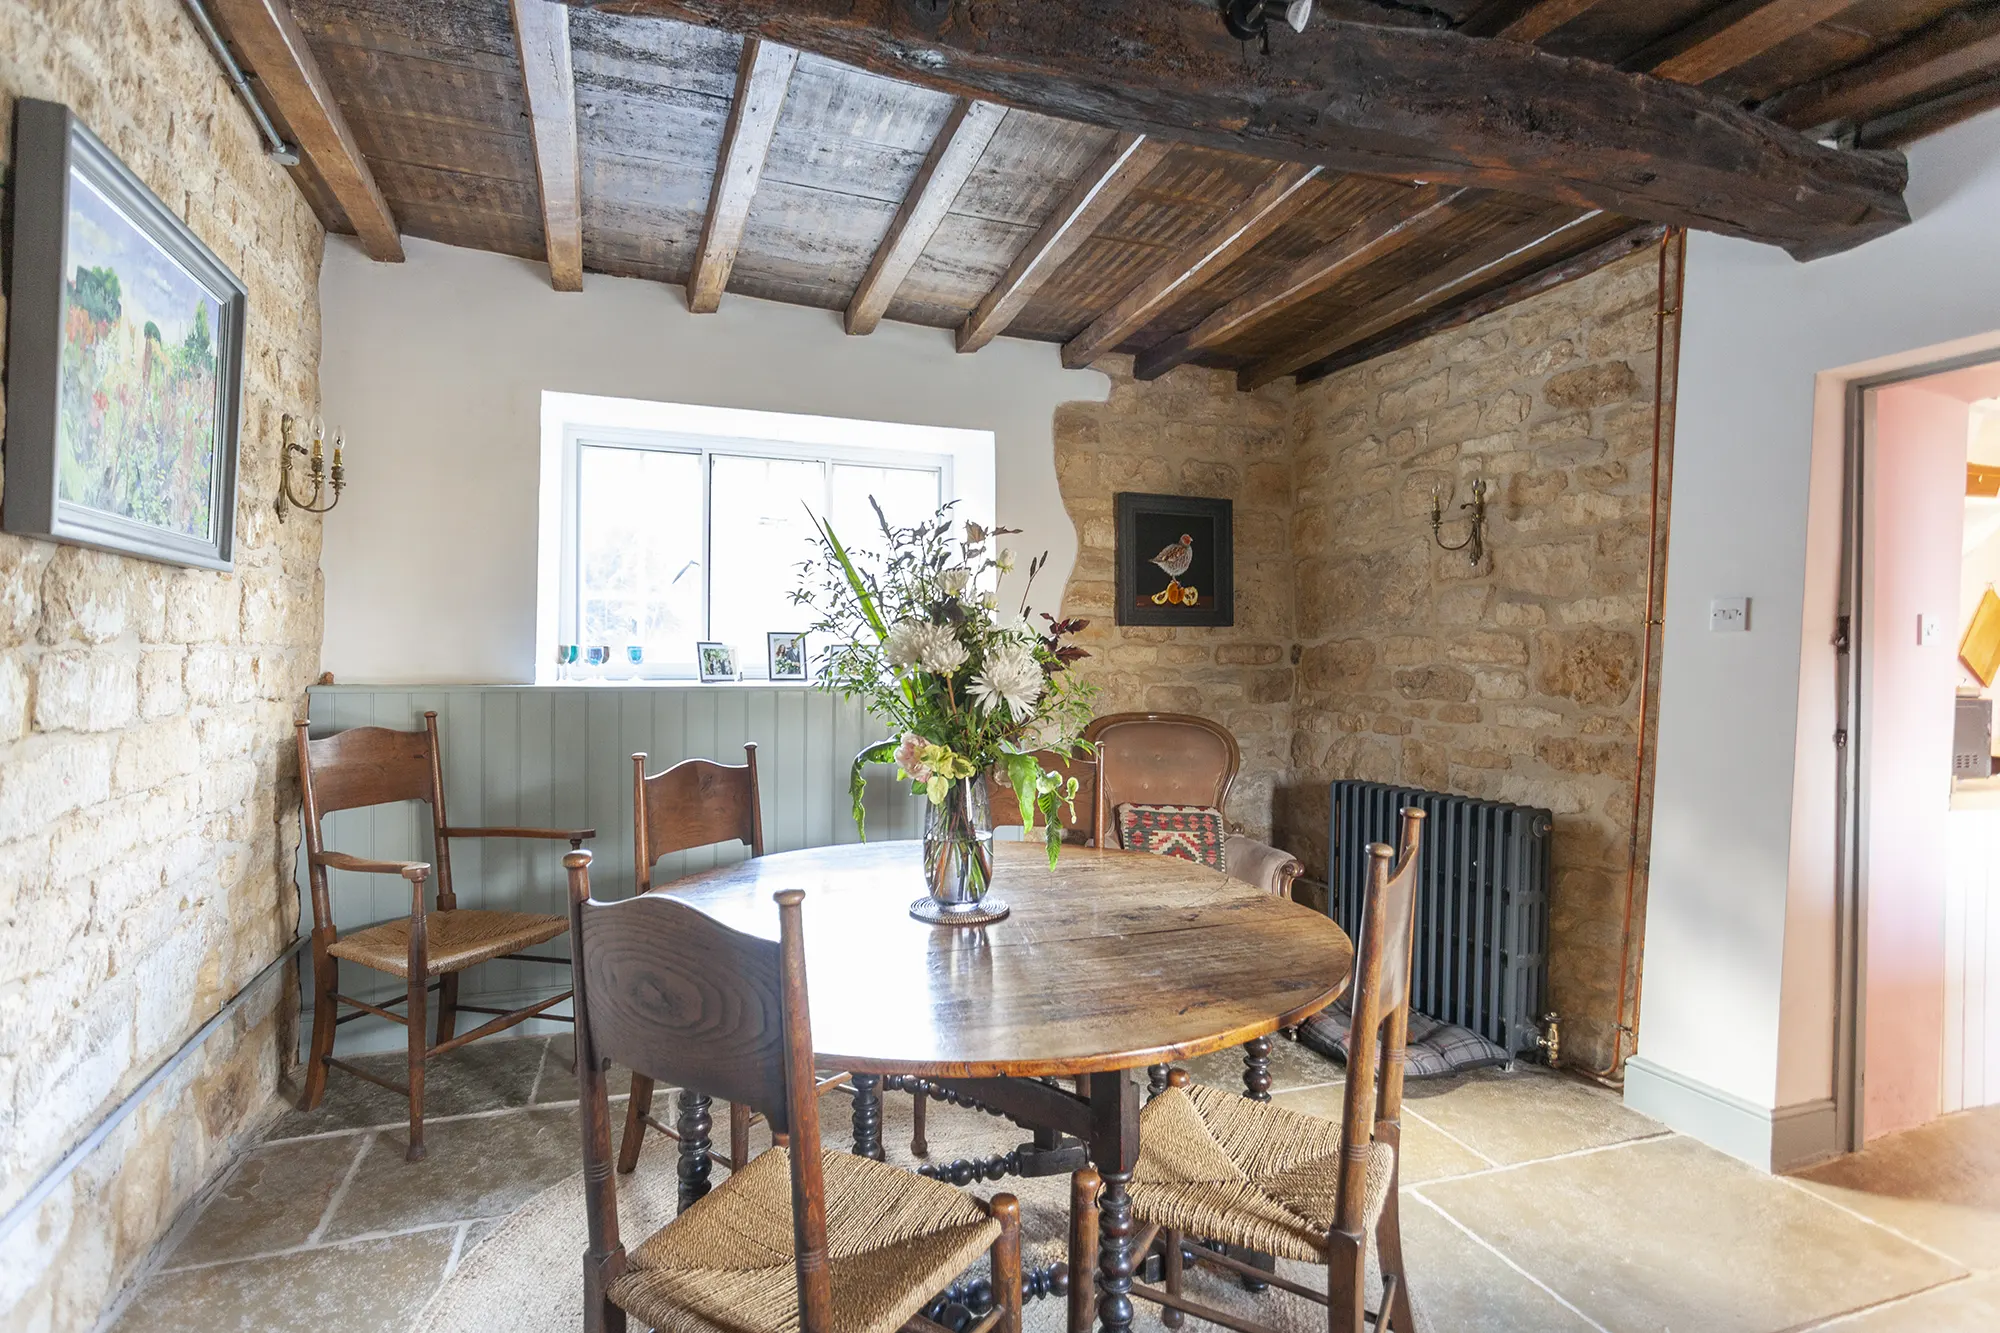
x,y
1112,960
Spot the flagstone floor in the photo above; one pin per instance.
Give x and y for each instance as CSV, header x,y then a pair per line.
x,y
1533,1201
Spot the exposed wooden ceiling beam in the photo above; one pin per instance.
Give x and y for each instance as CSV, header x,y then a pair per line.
x,y
1439,285
953,155
1270,205
763,75
1461,313
1960,46
268,40
1719,42
1125,161
1380,233
1908,124
1519,22
541,32
1406,103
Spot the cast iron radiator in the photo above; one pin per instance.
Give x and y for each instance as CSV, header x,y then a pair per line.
x,y
1482,930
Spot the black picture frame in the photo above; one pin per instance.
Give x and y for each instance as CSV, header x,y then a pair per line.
x,y
61,171
1150,524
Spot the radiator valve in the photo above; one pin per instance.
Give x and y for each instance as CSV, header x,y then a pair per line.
x,y
1549,1043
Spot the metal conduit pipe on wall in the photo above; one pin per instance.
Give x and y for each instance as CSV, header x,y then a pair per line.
x,y
281,151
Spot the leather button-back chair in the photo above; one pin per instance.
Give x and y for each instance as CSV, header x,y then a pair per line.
x,y
428,948
1179,759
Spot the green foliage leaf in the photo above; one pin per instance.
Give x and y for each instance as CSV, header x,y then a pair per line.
x,y
881,752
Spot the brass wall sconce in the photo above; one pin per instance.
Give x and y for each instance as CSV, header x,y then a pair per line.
x,y
1474,544
288,430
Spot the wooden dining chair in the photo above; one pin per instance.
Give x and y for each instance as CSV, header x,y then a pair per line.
x,y
695,803
1261,1178
1087,811
669,991
428,948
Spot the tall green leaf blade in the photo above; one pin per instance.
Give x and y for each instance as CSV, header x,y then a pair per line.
x,y
857,786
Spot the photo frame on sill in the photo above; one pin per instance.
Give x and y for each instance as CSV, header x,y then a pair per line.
x,y
785,651
717,662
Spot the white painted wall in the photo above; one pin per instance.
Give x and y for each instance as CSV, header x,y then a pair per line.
x,y
435,368
1738,968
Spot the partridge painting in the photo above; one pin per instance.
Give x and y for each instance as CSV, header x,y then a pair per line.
x,y
1175,559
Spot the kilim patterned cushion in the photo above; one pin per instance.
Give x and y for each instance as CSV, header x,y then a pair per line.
x,y
1191,832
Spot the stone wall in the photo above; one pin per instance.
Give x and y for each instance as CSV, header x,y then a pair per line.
x,y
1518,679
1190,433
147,803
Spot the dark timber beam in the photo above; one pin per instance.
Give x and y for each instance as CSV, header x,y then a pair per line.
x,y
763,74
1407,103
1125,161
1269,206
1719,42
1531,22
1509,250
1962,46
1380,233
268,40
1911,123
541,32
954,153
1464,312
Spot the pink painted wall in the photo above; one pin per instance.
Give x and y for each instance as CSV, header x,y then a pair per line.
x,y
1916,470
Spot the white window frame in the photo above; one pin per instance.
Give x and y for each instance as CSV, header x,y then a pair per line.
x,y
963,460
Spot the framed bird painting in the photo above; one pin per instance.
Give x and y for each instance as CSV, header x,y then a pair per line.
x,y
1176,560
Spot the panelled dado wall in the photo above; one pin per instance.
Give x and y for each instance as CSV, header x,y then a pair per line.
x,y
559,756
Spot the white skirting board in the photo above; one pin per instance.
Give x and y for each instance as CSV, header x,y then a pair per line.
x,y
1770,1139
560,757
1971,1065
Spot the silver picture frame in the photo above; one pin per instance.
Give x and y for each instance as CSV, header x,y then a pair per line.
x,y
60,166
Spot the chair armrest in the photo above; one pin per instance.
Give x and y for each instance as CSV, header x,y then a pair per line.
x,y
572,835
1261,864
416,871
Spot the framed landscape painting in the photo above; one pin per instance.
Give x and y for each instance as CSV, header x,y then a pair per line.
x,y
124,358
1176,560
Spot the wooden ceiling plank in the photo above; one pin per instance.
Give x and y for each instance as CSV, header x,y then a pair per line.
x,y
1270,206
1959,46
1908,124
1399,102
1125,161
1440,285
1461,313
269,41
541,31
1719,42
1380,233
763,74
953,155
1537,21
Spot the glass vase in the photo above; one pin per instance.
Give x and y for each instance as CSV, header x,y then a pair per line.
x,y
958,858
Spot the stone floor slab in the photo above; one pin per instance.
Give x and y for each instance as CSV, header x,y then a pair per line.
x,y
274,1201
1969,1306
479,1167
1939,1184
1668,1234
484,1076
1427,1153
365,1285
1525,1114
1292,1066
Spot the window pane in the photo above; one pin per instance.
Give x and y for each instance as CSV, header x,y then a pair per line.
x,y
908,496
760,532
639,552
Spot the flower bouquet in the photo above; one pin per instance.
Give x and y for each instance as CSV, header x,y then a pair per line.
x,y
919,637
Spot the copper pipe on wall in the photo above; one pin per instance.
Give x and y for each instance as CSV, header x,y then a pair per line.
x,y
1628,979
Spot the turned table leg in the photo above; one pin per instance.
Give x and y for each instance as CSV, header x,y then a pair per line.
x,y
1114,1150
693,1125
1257,1069
867,1115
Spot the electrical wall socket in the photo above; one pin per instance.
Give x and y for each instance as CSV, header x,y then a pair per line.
x,y
1729,615
1929,630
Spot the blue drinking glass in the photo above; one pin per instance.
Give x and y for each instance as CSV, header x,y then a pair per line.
x,y
596,655
635,654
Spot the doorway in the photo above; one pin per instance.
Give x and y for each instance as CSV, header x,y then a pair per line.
x,y
1918,1023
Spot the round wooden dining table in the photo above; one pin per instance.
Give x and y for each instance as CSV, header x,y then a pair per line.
x,y
1110,962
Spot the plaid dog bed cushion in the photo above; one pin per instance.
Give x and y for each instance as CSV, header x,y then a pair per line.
x,y
1191,832
1435,1047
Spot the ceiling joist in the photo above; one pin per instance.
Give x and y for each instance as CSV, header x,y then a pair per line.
x,y
1382,232
1125,161
541,32
1526,22
269,41
1405,103
1481,263
1719,42
1959,47
1269,207
953,155
763,76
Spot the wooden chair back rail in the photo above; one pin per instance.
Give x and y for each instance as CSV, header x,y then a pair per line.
x,y
1164,759
737,1026
692,804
